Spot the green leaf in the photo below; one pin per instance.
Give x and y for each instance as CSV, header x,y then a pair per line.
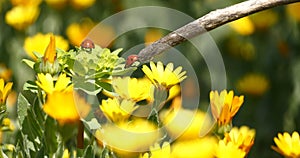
x,y
24,146
99,74
3,155
119,71
50,136
93,124
38,112
23,105
105,85
37,54
29,62
29,121
88,87
60,150
31,128
41,152
31,86
89,151
79,68
105,51
116,52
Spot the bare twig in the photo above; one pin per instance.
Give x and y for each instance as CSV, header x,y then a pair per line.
x,y
208,22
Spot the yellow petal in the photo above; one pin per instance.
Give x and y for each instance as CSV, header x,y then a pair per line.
x,y
50,52
62,82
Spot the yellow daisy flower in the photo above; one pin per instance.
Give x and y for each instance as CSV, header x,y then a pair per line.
x,y
228,150
133,88
253,84
4,91
198,147
287,145
152,35
79,4
20,17
243,138
39,42
128,138
159,152
243,26
117,111
66,106
161,76
46,82
77,32
225,106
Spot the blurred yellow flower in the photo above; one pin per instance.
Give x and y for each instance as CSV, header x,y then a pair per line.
x,y
4,91
264,19
57,4
66,154
12,99
117,111
133,88
184,124
243,26
242,137
46,82
130,137
225,106
79,4
242,49
161,76
7,124
66,106
198,147
77,32
253,84
26,3
293,11
39,42
20,17
159,152
287,145
152,35
5,73
228,150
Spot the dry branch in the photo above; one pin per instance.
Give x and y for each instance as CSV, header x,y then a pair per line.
x,y
208,22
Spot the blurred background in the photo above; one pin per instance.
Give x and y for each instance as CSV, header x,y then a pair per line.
x,y
261,52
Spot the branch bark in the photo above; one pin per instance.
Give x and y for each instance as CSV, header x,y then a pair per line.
x,y
208,22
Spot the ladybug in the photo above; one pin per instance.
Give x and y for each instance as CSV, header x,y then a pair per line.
x,y
130,60
87,44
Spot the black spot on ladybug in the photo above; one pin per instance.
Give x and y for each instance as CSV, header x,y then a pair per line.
x,y
87,44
